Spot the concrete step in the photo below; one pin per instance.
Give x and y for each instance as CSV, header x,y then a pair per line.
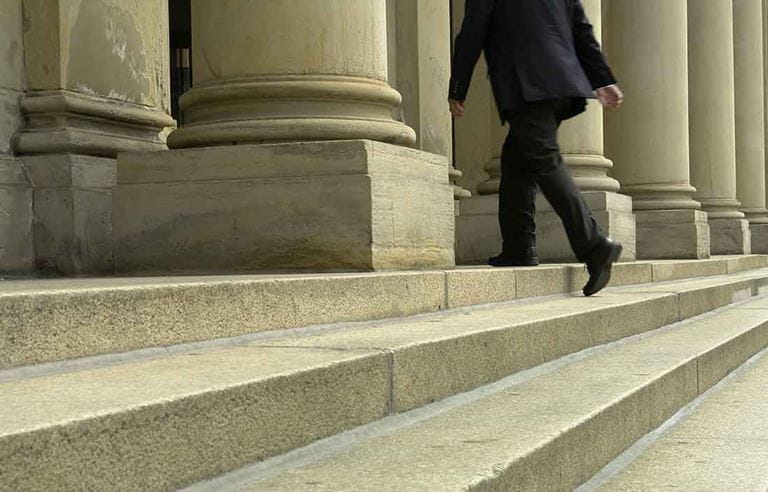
x,y
720,444
50,320
549,432
154,420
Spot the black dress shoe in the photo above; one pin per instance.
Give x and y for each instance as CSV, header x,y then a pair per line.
x,y
509,261
599,266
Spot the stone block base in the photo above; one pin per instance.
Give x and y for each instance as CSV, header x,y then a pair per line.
x,y
344,205
477,230
730,236
73,212
672,234
478,236
759,238
612,211
16,247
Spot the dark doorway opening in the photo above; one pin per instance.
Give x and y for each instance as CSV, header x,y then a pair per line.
x,y
180,15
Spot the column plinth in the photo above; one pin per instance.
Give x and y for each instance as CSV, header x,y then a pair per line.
x,y
285,160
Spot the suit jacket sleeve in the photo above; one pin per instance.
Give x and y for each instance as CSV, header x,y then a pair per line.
x,y
588,49
469,44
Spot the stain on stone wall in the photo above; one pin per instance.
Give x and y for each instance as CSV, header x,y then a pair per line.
x,y
118,49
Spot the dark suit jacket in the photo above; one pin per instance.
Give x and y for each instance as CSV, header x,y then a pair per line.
x,y
535,49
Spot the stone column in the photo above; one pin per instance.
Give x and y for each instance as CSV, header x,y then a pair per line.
x,y
97,76
750,123
648,140
286,157
712,123
420,70
16,246
286,71
581,141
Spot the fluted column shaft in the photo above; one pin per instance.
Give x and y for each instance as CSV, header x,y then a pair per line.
x,y
750,100
289,70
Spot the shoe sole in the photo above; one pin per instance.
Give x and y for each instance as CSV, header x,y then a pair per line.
x,y
605,276
507,265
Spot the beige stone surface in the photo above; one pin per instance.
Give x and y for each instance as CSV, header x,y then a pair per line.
x,y
73,212
759,237
10,118
63,38
16,240
423,58
667,234
289,71
11,45
730,236
357,205
477,230
648,140
447,354
722,445
711,111
163,423
77,105
45,321
697,296
483,285
526,438
750,109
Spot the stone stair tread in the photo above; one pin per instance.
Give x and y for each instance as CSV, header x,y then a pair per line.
x,y
43,321
277,393
547,433
97,390
721,445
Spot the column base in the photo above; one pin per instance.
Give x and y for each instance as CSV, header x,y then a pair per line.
x,y
477,230
478,235
759,238
730,236
16,246
339,205
612,211
672,234
73,213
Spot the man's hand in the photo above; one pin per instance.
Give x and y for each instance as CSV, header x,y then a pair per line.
x,y
457,108
610,97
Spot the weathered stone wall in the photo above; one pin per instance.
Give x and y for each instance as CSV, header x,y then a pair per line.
x,y
16,254
107,48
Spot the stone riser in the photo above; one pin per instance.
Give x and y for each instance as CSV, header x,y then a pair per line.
x,y
551,432
244,404
54,320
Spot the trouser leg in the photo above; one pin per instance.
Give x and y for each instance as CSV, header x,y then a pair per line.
x,y
517,204
533,132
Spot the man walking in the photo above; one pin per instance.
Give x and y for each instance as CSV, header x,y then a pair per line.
x,y
544,62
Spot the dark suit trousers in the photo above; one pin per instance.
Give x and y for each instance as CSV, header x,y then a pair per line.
x,y
531,159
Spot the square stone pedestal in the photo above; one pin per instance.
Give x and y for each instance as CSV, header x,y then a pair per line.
x,y
342,205
759,238
16,247
478,236
477,230
73,212
730,236
612,211
672,234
